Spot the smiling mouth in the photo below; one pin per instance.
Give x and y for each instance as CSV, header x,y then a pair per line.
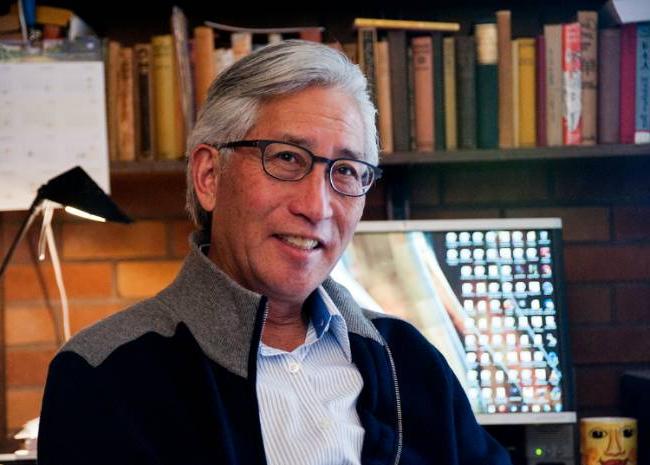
x,y
299,242
613,462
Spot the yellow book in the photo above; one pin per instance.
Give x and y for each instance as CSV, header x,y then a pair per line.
x,y
515,94
527,103
378,23
169,124
385,117
449,72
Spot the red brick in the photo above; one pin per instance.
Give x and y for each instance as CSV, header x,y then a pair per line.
x,y
144,279
589,303
111,240
29,325
82,316
579,224
482,185
633,303
597,387
150,195
180,234
607,263
28,367
23,404
22,253
611,345
632,223
80,279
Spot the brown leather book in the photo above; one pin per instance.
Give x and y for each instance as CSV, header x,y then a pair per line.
x,y
399,84
144,111
609,98
205,69
506,130
126,105
423,88
554,78
383,97
112,78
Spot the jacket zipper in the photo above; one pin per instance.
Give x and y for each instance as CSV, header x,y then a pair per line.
x,y
398,403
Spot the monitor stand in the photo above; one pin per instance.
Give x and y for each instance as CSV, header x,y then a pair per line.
x,y
552,444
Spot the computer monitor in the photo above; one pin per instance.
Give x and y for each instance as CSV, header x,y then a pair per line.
x,y
489,294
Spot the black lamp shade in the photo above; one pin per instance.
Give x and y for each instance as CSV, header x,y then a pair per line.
x,y
75,188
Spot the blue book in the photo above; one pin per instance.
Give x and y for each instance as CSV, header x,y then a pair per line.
x,y
642,114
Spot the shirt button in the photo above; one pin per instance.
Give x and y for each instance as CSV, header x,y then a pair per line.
x,y
294,367
325,423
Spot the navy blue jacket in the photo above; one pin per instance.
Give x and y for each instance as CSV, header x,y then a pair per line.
x,y
172,381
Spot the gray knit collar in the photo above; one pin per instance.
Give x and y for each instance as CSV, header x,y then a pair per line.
x,y
221,314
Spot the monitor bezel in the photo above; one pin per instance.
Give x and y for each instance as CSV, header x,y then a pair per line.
x,y
554,224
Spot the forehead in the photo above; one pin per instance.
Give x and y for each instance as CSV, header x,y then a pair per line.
x,y
325,120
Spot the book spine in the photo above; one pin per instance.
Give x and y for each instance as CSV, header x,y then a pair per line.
x,y
205,69
487,86
144,108
554,76
398,66
112,79
367,42
313,34
423,80
609,49
410,93
449,52
126,106
642,113
169,123
527,93
515,93
571,84
383,97
241,44
466,95
628,83
540,90
438,92
589,70
505,78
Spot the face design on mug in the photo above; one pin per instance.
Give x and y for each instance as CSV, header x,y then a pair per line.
x,y
609,444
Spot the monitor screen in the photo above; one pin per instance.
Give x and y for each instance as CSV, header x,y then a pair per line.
x,y
488,294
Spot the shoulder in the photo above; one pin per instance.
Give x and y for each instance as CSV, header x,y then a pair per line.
x,y
97,342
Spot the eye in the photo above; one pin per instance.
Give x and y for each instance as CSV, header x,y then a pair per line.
x,y
286,156
598,434
628,432
347,169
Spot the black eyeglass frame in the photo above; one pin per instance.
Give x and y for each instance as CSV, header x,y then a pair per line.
x,y
261,144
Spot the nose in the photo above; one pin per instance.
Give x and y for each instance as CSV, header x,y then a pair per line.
x,y
614,447
312,196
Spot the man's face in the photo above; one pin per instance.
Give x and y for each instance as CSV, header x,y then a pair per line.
x,y
282,238
609,444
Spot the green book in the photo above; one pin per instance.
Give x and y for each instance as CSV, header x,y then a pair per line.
x,y
487,86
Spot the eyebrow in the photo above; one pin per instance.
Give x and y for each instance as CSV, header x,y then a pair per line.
x,y
308,143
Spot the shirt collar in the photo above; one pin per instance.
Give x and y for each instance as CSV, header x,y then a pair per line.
x,y
326,316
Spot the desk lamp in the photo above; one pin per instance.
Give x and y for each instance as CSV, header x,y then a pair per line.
x,y
79,195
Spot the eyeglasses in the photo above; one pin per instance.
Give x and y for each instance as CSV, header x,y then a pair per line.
x,y
290,162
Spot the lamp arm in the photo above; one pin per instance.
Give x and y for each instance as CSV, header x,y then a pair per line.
x,y
33,211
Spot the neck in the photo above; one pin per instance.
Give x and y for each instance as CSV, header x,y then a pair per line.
x,y
285,327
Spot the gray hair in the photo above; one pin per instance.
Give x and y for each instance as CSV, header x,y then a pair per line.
x,y
234,98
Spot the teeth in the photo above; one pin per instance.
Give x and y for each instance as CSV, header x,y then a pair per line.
x,y
300,242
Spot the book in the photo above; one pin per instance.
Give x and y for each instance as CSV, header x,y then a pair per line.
x,y
642,91
609,50
126,105
449,71
398,66
554,77
527,92
487,86
385,113
205,68
183,68
144,111
367,40
627,84
405,25
466,91
515,93
423,89
589,70
505,78
438,91
410,94
314,34
169,134
571,84
241,44
112,78
540,90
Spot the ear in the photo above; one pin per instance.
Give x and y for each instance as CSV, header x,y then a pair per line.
x,y
206,165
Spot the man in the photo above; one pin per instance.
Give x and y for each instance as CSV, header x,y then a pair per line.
x,y
252,355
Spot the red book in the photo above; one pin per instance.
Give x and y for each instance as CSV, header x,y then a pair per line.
x,y
571,84
628,83
540,90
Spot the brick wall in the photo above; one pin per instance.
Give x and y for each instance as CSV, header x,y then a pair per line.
x,y
604,204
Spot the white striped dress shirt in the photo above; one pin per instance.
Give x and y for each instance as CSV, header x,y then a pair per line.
x,y
307,397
